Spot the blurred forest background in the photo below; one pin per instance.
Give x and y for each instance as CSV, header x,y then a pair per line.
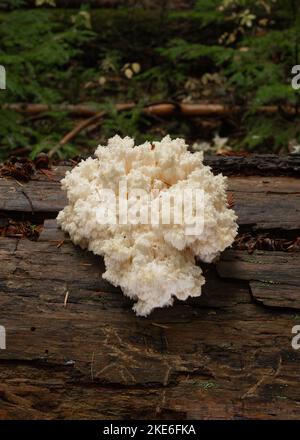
x,y
217,72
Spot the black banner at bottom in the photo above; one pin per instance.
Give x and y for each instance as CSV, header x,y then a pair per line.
x,y
96,430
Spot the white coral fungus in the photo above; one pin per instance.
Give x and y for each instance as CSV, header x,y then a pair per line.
x,y
151,263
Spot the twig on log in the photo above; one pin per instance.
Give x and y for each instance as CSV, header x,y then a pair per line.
x,y
66,299
29,200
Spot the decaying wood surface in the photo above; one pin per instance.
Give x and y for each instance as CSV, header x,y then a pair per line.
x,y
263,202
75,349
256,164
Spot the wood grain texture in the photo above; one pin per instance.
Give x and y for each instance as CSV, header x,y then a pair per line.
x,y
274,277
256,164
75,349
259,201
220,355
44,193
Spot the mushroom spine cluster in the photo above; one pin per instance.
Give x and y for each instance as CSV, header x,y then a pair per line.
x,y
152,262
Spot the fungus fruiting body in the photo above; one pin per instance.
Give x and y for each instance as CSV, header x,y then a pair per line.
x,y
153,262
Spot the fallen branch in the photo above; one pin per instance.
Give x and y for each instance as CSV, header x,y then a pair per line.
x,y
161,109
81,126
84,124
76,130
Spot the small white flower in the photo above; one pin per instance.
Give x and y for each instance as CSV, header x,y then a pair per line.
x,y
136,67
296,149
128,73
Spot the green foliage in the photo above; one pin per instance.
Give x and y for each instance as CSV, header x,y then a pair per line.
x,y
254,52
39,55
232,51
36,52
12,4
126,123
180,50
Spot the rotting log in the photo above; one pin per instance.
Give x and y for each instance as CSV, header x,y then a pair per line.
x,y
256,164
159,109
262,202
75,349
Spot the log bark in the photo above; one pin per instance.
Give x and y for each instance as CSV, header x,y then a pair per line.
x,y
260,202
75,349
259,165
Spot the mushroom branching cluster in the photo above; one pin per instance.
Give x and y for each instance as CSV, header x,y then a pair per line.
x,y
153,262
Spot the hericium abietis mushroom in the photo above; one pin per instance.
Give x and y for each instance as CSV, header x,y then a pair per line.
x,y
128,205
